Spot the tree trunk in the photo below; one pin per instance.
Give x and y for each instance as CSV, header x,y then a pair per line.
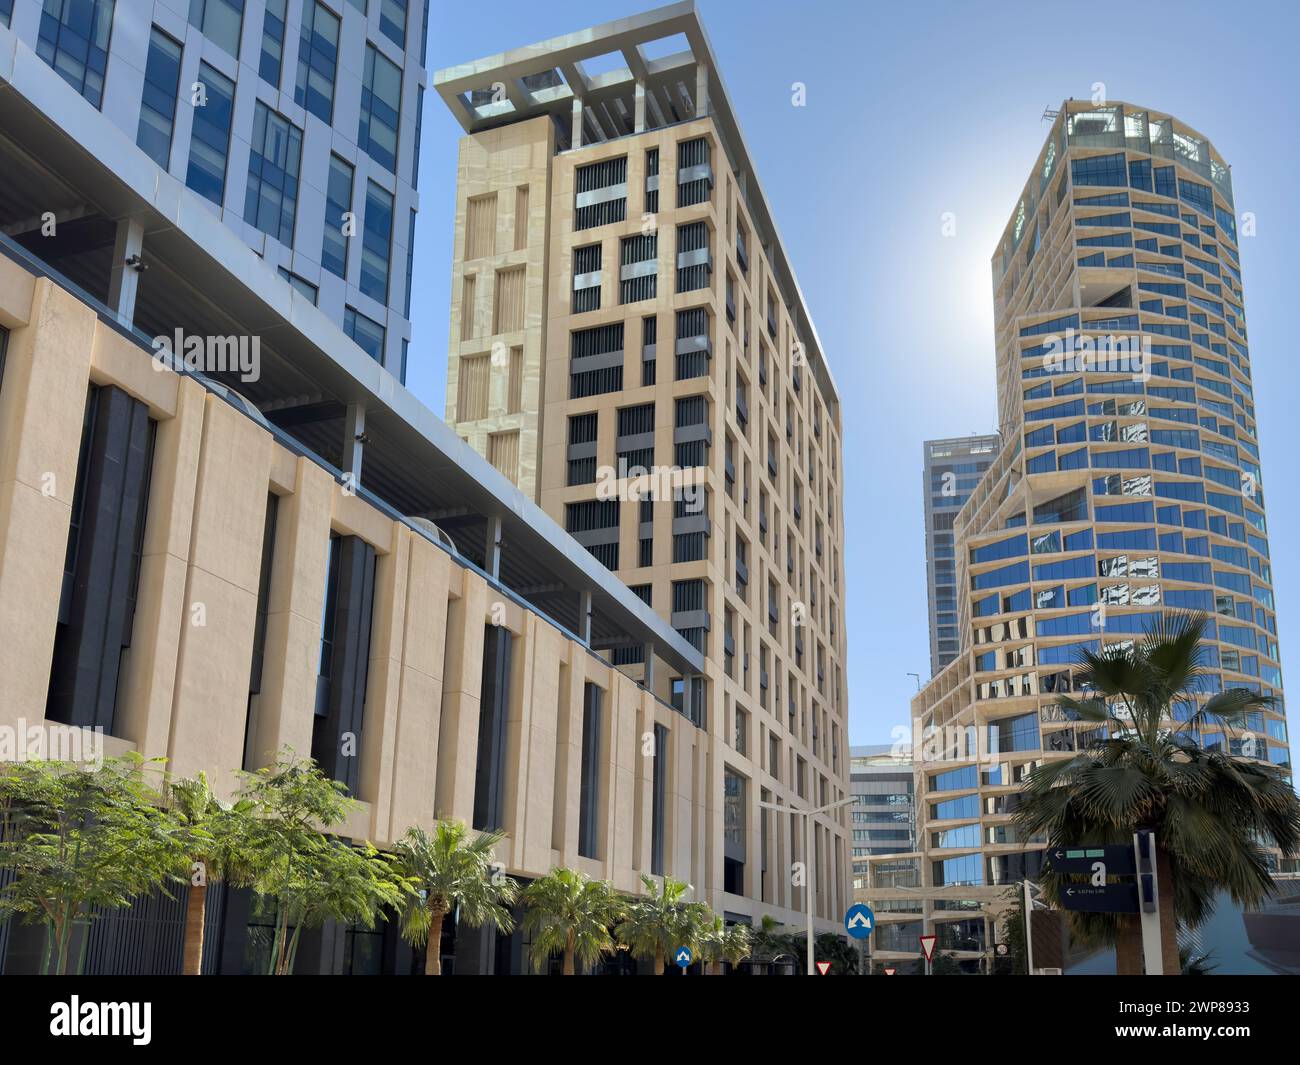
x,y
433,948
659,961
195,911
569,952
1168,921
1128,946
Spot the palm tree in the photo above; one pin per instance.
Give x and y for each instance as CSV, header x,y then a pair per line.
x,y
215,839
770,942
1212,813
570,914
450,870
660,921
721,942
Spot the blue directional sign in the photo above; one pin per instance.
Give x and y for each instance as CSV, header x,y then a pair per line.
x,y
683,957
859,921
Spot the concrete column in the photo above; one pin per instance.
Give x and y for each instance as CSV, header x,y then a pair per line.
x,y
209,706
584,617
47,370
124,280
492,548
575,138
462,683
639,112
354,433
701,90
649,679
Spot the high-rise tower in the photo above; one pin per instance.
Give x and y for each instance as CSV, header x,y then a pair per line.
x,y
625,317
1128,484
953,468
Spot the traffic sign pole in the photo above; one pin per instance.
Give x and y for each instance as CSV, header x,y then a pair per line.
x,y
1144,850
1029,929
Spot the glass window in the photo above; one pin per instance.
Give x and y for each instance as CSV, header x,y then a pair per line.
x,y
73,39
318,52
376,242
368,334
392,21
410,264
220,21
381,100
300,283
273,158
210,141
272,42
339,225
162,75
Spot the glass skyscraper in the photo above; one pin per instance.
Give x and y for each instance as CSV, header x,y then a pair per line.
x,y
1128,485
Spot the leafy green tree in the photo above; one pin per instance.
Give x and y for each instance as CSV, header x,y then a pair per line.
x,y
1209,810
721,942
570,914
451,871
309,876
661,920
945,964
77,841
215,837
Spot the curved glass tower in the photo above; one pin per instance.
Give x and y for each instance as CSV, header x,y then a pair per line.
x,y
1128,483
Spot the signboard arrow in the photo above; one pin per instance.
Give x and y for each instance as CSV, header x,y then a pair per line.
x,y
859,921
683,957
823,967
927,946
1110,898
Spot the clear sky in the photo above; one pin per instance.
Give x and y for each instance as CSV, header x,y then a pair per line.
x,y
913,110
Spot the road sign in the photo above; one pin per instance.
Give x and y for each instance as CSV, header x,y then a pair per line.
x,y
859,921
1117,859
683,957
823,967
927,946
1110,898
1002,950
890,971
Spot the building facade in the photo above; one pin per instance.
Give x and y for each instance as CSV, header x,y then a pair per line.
x,y
952,469
297,122
607,214
281,547
1129,485
884,807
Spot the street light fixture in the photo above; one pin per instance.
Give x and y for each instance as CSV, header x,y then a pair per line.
x,y
809,887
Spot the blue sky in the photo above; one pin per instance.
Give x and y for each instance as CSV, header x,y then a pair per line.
x,y
914,110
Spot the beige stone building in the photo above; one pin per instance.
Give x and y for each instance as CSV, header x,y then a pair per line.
x,y
271,543
630,346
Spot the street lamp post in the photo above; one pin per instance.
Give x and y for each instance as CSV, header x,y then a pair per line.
x,y
808,890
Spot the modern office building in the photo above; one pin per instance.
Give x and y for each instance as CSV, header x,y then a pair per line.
x,y
280,546
270,542
607,213
952,470
1128,484
296,122
884,810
